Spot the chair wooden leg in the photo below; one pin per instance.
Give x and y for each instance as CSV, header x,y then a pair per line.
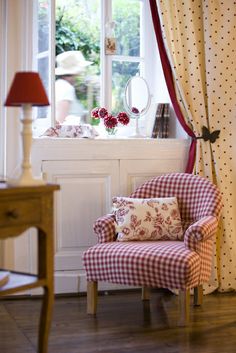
x,y
184,302
198,295
91,297
145,293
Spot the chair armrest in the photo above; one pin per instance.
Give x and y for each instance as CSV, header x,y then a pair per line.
x,y
104,228
200,231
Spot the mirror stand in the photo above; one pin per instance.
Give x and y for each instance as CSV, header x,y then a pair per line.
x,y
137,133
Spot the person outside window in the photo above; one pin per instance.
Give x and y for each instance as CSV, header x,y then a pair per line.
x,y
70,64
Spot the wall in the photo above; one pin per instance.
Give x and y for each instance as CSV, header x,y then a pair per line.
x,y
14,56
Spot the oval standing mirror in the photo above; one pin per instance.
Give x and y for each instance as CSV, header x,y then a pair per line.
x,y
137,100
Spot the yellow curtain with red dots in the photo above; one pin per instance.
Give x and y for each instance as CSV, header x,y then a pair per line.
x,y
200,40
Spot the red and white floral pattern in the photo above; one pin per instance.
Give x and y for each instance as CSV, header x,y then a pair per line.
x,y
71,131
147,219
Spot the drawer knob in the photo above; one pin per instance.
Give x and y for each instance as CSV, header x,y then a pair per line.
x,y
13,214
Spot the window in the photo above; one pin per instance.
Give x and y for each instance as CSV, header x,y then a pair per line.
x,y
43,59
88,26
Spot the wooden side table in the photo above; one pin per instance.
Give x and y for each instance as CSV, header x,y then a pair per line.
x,y
20,209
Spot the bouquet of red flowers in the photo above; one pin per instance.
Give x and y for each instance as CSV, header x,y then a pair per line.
x,y
110,121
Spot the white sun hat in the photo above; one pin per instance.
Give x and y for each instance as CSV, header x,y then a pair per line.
x,y
70,62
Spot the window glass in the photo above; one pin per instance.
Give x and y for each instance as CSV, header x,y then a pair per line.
x,y
43,26
126,15
78,24
43,51
43,69
121,72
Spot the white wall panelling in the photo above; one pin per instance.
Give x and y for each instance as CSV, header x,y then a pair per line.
x,y
134,172
86,191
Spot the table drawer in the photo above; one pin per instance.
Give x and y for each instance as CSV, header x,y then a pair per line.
x,y
18,212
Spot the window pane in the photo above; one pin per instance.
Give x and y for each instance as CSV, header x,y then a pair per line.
x,y
43,25
126,15
43,72
42,52
121,72
78,29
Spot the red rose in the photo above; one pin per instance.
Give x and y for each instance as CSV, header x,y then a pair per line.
x,y
94,113
102,112
135,110
110,121
123,118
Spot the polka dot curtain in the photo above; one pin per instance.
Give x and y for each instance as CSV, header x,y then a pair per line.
x,y
200,40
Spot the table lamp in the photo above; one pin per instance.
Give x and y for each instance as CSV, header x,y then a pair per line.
x,y
26,91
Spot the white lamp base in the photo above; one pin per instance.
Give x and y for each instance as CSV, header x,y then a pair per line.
x,y
23,181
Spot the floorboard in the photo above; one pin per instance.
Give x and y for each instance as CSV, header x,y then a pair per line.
x,y
123,324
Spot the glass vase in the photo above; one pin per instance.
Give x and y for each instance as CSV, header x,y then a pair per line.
x,y
94,121
111,132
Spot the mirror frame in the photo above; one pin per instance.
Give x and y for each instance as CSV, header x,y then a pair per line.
x,y
127,107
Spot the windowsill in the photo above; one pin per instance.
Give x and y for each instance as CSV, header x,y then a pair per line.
x,y
106,147
126,132
110,138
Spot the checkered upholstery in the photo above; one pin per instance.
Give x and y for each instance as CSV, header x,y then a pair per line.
x,y
169,264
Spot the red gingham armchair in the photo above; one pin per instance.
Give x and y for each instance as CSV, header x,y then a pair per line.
x,y
181,265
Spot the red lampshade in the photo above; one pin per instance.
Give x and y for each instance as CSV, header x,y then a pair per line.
x,y
26,88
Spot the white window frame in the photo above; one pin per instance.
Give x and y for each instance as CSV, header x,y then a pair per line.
x,y
40,125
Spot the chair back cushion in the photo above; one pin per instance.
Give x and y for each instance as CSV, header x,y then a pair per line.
x,y
147,219
197,196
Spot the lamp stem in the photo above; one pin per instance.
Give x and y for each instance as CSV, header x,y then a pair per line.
x,y
26,177
27,139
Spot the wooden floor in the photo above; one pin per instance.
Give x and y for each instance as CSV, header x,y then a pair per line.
x,y
123,324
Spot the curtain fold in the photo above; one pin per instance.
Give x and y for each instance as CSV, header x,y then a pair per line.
x,y
170,86
199,38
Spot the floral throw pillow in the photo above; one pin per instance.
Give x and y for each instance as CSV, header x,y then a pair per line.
x,y
71,131
147,219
